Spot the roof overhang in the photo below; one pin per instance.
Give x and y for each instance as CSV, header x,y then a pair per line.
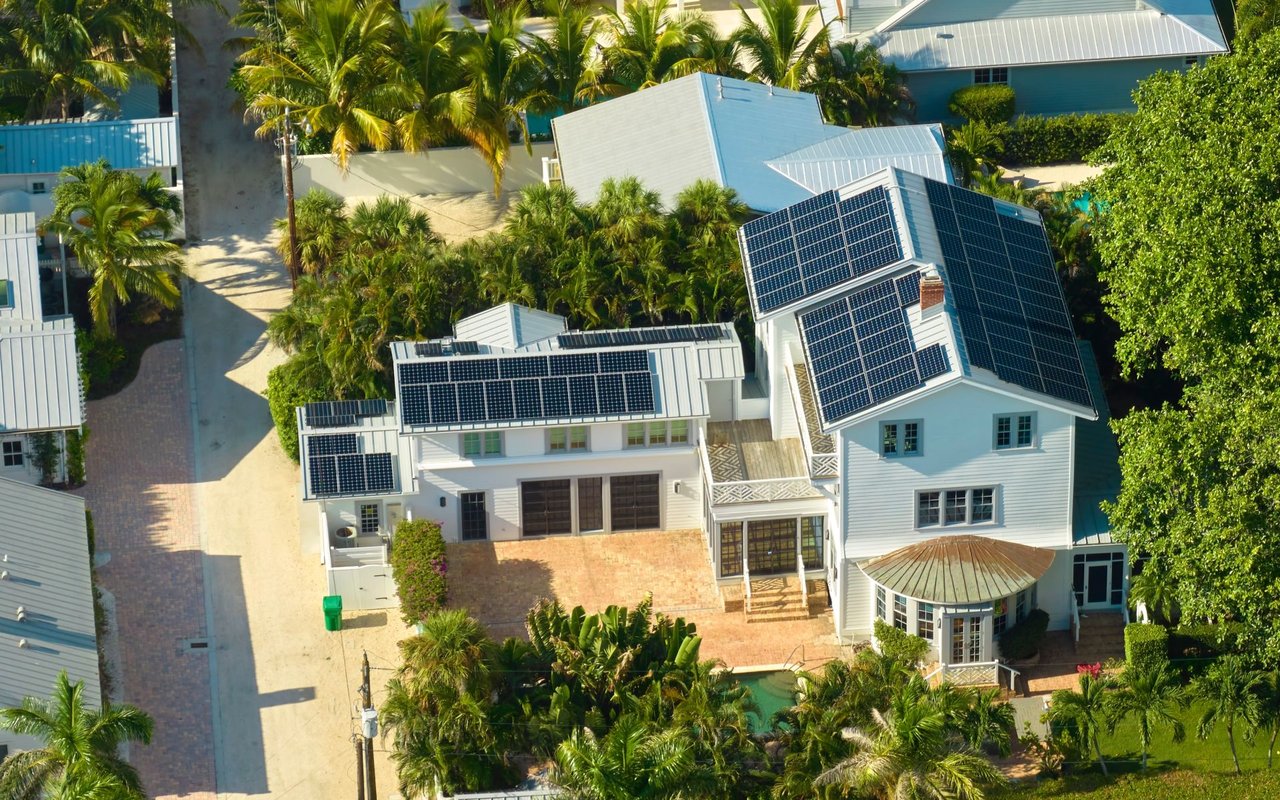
x,y
959,570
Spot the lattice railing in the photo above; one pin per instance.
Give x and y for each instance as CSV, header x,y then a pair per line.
x,y
824,465
763,491
980,674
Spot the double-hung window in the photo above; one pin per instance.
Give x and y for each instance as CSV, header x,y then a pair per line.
x,y
955,507
899,612
999,616
11,453
899,439
1015,431
482,444
880,602
567,440
924,620
987,75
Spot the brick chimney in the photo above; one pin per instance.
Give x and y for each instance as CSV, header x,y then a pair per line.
x,y
931,293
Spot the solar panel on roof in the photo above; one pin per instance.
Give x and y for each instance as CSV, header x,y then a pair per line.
x,y
1009,302
466,348
818,244
324,475
428,349
379,473
351,474
642,336
331,444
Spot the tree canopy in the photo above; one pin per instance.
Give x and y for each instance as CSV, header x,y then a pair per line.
x,y
1191,265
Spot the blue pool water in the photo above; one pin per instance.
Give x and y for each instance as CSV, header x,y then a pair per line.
x,y
773,691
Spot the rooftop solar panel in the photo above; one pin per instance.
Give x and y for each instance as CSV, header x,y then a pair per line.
x,y
818,244
642,336
1008,300
351,474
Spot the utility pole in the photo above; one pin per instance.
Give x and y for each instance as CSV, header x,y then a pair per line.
x,y
368,727
295,265
359,766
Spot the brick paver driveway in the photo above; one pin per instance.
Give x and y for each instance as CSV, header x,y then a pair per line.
x,y
139,491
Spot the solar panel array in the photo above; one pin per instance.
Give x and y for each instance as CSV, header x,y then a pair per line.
x,y
817,244
642,336
342,413
861,351
525,388
351,474
1012,314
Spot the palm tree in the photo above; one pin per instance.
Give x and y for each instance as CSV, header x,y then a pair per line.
x,y
437,104
857,87
705,222
570,66
323,231
1154,696
643,45
633,761
79,758
1152,586
1269,708
1085,711
909,752
1229,689
330,74
781,52
974,149
984,718
111,220
708,51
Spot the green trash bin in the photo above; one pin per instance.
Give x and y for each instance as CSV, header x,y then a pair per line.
x,y
333,612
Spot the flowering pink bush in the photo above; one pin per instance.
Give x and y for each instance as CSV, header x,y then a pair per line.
x,y
419,567
1092,670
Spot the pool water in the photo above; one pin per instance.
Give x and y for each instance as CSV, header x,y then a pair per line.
x,y
773,691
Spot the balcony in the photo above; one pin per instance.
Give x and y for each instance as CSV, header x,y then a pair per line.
x,y
820,447
745,464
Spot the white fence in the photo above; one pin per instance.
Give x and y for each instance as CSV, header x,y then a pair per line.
x,y
441,170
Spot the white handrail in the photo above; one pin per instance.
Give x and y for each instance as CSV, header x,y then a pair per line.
x,y
1075,616
804,585
746,580
1013,675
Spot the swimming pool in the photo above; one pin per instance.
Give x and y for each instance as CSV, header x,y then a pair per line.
x,y
772,689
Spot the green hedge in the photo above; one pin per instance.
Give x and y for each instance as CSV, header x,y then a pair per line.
x,y
1032,141
991,103
899,645
419,566
1146,646
285,392
1204,640
1023,640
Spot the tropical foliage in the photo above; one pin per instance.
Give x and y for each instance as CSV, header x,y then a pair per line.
x,y
355,75
79,755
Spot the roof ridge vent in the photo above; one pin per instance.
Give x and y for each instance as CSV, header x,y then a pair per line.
x,y
23,644
21,614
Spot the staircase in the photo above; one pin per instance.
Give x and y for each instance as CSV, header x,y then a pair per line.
x,y
1101,636
777,599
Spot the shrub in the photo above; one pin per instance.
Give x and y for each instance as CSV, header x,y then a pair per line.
x,y
286,390
1146,647
1023,640
45,456
1030,141
99,359
1204,640
75,456
991,103
899,645
418,565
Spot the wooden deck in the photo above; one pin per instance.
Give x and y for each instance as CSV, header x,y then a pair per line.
x,y
821,442
747,451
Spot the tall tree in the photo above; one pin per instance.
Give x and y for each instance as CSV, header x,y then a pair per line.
x,y
857,87
436,104
778,47
1154,697
116,224
633,761
1229,691
570,66
1190,262
1085,712
642,46
78,758
1255,18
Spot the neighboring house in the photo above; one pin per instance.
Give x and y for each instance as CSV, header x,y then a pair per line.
x,y
46,598
1059,56
40,390
770,145
921,438
33,155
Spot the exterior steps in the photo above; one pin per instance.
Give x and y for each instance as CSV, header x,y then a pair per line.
x,y
776,599
1101,636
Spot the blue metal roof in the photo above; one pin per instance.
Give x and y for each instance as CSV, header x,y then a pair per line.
x,y
125,144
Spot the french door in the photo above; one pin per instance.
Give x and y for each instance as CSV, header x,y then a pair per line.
x,y
968,638
1098,580
771,546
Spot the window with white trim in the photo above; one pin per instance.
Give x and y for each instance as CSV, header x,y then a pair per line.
x,y
955,507
567,440
1014,431
369,518
899,612
880,602
1020,609
999,616
679,431
900,438
11,452
482,444
988,75
924,620
658,433
6,293
39,187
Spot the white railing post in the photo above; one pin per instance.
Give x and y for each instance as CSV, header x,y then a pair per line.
x,y
1075,617
746,577
804,584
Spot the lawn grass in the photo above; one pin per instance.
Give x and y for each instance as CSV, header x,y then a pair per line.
x,y
1173,785
1208,755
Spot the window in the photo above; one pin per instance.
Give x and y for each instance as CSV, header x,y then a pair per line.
x,y
955,507
475,518
6,294
545,508
590,504
11,451
811,542
975,639
730,549
634,503
957,640
482,444
991,75
567,440
657,434
1020,610
924,621
999,616
38,187
1013,431
1192,61
369,518
880,602
899,439
899,612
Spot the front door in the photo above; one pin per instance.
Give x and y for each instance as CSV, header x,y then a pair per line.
x,y
1098,579
771,546
967,638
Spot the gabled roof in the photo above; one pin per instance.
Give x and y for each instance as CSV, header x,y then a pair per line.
x,y
509,325
854,154
45,572
1179,28
39,376
127,144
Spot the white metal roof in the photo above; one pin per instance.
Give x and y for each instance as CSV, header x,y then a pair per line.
x,y
46,572
19,265
378,434
1146,33
45,148
509,325
39,376
856,153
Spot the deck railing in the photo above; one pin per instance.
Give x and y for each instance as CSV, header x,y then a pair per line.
x,y
976,673
824,465
762,491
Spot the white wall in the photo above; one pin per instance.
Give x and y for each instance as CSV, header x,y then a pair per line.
x,y
442,170
1033,502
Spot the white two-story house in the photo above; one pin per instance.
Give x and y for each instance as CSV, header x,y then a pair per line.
x,y
911,442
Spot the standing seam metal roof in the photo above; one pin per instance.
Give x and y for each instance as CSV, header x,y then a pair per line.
x,y
958,570
125,144
40,376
